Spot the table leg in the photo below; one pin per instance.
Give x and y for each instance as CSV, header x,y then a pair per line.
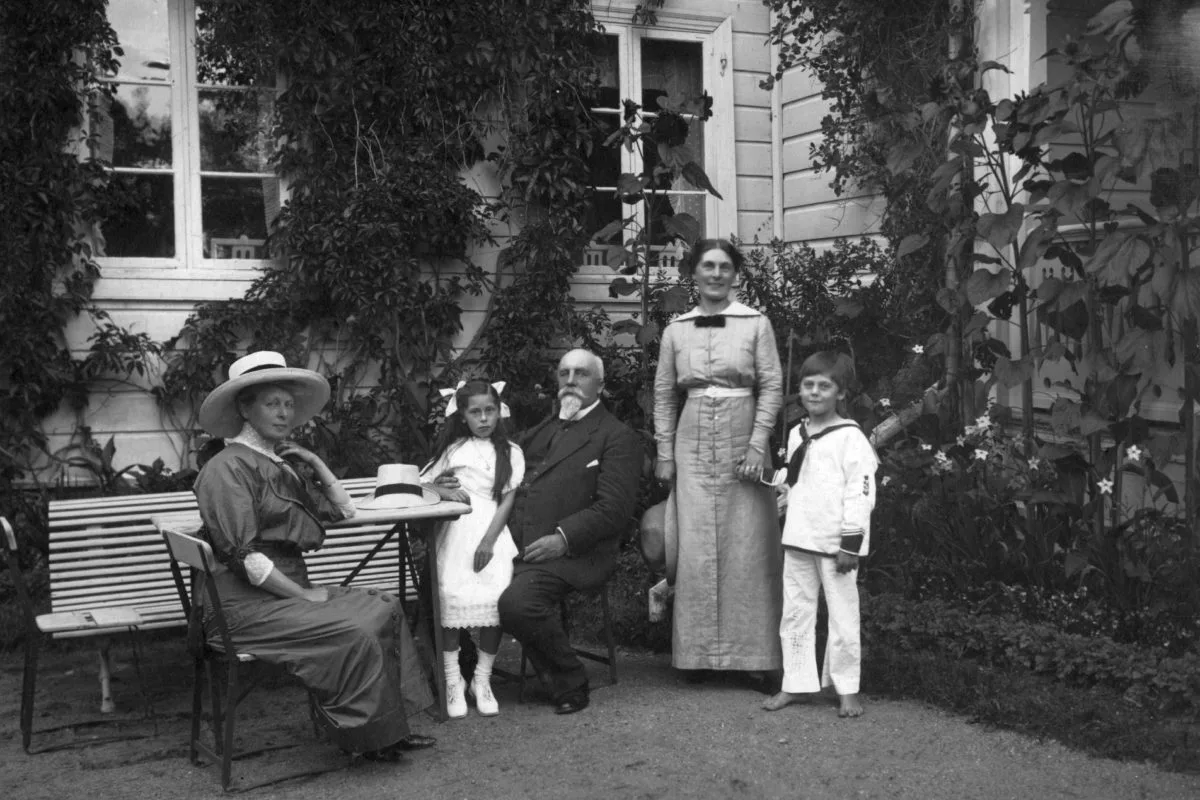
x,y
439,674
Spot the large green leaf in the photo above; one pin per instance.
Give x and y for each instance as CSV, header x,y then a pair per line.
x,y
983,285
1000,230
1118,257
903,154
911,244
1185,299
608,231
621,287
1013,373
647,334
696,176
682,226
626,326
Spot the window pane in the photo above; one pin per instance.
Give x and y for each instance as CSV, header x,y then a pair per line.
x,y
605,161
134,126
671,68
140,217
142,30
233,44
692,204
236,212
608,65
603,209
235,128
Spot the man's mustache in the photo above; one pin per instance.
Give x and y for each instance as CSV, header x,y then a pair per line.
x,y
569,391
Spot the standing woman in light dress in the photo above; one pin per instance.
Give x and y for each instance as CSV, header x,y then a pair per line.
x,y
719,360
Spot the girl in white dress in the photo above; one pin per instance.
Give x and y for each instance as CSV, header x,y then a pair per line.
x,y
475,554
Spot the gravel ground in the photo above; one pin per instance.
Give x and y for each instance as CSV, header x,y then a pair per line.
x,y
651,736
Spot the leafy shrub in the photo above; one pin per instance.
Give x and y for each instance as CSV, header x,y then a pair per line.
x,y
1146,675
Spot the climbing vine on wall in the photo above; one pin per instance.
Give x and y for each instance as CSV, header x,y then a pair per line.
x,y
387,106
52,193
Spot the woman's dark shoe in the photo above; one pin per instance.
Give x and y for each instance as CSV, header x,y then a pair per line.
x,y
576,701
696,675
389,753
415,741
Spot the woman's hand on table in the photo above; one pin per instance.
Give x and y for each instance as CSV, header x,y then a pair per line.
x,y
750,468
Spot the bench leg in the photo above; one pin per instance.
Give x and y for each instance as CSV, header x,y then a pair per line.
x,y
28,688
143,690
107,706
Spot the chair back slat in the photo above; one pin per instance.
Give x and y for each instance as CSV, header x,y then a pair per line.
x,y
10,536
194,552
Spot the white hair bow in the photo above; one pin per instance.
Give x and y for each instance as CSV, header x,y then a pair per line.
x,y
452,406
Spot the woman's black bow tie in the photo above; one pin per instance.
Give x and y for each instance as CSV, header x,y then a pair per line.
x,y
710,321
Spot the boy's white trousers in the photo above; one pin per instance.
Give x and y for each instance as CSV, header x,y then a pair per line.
x,y
805,575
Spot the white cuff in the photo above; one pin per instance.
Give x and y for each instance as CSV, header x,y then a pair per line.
x,y
258,568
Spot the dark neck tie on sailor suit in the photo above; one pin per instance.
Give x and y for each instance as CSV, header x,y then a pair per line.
x,y
710,321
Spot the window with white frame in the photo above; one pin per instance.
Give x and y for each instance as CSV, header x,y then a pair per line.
x,y
185,131
642,64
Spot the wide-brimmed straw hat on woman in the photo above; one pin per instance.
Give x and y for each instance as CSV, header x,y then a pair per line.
x,y
219,413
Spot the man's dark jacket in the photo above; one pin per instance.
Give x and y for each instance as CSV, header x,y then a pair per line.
x,y
588,486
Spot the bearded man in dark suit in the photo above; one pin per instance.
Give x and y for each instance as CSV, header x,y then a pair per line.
x,y
581,483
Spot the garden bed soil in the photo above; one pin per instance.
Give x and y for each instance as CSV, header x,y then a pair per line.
x,y
651,736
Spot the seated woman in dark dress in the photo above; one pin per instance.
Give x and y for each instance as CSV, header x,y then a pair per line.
x,y
352,648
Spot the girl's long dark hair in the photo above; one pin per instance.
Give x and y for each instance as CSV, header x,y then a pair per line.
x,y
456,428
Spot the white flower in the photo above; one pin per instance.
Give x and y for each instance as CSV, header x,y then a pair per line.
x,y
1035,462
1134,453
918,349
1105,486
962,440
981,455
885,402
926,447
886,480
983,423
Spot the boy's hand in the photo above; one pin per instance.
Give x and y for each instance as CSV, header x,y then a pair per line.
x,y
846,563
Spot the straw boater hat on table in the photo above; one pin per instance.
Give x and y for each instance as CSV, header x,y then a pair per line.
x,y
219,413
398,486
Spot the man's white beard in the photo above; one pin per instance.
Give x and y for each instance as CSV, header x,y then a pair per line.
x,y
568,406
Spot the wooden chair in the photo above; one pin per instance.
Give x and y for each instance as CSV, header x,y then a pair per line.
x,y
610,660
218,663
98,620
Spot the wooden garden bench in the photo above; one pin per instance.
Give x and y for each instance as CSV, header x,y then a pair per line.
x,y
107,552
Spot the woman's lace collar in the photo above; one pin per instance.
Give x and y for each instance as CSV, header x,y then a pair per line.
x,y
256,442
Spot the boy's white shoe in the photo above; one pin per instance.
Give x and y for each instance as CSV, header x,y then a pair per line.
x,y
456,698
485,701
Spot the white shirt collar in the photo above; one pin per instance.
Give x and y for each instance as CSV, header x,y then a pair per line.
x,y
734,309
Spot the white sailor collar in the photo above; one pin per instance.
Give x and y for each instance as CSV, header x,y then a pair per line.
x,y
734,309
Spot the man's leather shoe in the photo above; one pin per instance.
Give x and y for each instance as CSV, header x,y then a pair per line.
x,y
572,703
415,741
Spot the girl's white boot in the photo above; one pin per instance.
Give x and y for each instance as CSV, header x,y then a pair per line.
x,y
456,686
